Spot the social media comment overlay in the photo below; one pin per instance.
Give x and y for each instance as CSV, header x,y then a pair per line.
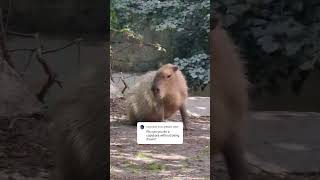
x,y
159,132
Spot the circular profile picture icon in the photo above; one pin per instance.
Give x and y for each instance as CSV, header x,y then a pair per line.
x,y
142,127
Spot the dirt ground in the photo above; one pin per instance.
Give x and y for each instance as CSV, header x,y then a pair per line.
x,y
25,155
187,161
258,174
24,151
129,160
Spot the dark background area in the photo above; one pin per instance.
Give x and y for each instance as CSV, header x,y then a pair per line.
x,y
25,149
58,16
279,44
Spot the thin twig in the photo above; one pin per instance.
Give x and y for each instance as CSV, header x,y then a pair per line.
x,y
21,49
51,77
39,52
124,83
32,35
63,47
148,61
51,50
137,43
79,51
28,62
111,76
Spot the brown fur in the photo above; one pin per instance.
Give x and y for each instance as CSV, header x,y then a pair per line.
x,y
79,126
230,102
144,104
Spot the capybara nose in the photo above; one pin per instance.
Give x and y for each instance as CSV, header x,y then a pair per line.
x,y
155,89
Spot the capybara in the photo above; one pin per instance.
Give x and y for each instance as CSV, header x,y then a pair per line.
x,y
158,95
230,103
79,126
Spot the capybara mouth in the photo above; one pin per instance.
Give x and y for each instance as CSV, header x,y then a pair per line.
x,y
158,96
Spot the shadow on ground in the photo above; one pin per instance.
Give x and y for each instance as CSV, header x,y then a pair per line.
x,y
281,145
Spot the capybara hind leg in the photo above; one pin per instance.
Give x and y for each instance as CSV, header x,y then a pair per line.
x,y
184,116
234,156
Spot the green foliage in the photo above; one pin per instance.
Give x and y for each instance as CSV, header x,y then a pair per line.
x,y
187,21
163,15
280,38
197,69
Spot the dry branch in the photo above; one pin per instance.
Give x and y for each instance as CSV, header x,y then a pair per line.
x,y
136,42
51,76
124,83
3,39
39,52
31,35
63,47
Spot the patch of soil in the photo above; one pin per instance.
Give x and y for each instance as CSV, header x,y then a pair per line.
x,y
222,175
24,150
132,161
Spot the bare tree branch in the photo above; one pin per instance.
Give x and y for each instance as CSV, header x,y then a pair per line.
x,y
38,51
21,49
3,39
79,51
32,35
137,43
124,83
63,47
28,62
51,76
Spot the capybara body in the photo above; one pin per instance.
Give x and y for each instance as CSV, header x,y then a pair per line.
x,y
230,103
158,95
79,126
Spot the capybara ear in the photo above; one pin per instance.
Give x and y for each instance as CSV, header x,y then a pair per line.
x,y
175,67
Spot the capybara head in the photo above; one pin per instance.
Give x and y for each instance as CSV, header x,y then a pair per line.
x,y
164,80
